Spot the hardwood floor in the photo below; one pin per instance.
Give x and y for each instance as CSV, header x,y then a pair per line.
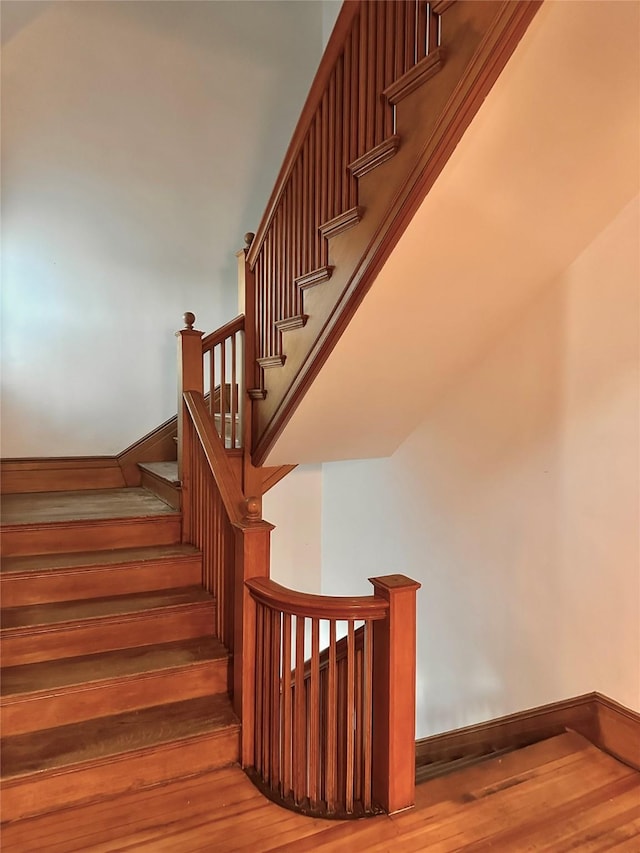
x,y
558,795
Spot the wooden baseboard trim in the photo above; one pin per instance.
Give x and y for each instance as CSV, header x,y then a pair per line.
x,y
607,724
618,730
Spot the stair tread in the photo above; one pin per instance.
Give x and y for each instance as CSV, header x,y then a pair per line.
x,y
89,669
87,505
84,559
165,470
72,611
92,740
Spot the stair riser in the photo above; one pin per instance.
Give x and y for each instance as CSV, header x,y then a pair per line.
x,y
45,791
25,539
78,703
167,492
101,635
21,589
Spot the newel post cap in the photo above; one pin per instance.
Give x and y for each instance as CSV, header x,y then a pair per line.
x,y
189,319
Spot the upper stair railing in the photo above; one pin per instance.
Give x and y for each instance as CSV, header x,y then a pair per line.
x,y
398,84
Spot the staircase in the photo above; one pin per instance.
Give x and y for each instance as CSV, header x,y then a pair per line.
x,y
112,678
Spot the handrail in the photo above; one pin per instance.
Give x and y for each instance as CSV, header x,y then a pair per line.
x,y
234,501
278,597
219,335
330,56
334,729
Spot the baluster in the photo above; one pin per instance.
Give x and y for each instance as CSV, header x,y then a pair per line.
x,y
389,67
259,751
267,665
367,744
314,704
350,712
300,724
332,724
287,719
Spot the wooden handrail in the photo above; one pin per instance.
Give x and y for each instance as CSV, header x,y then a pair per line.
x,y
234,501
330,56
277,597
332,731
219,335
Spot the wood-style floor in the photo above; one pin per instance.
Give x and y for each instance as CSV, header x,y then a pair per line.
x,y
558,795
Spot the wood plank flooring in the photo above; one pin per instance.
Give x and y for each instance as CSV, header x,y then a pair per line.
x,y
558,795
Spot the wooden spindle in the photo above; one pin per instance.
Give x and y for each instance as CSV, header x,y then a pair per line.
x,y
314,707
367,742
300,722
332,724
350,718
287,716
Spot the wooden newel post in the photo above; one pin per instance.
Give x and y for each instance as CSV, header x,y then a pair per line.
x,y
253,543
190,378
394,694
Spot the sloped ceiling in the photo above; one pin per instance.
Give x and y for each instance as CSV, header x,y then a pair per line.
x,y
547,163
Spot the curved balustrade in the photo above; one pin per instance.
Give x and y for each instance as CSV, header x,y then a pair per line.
x,y
322,718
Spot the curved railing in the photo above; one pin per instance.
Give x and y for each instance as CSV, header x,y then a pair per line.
x,y
328,721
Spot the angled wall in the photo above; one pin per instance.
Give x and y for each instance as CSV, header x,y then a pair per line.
x,y
140,141
515,503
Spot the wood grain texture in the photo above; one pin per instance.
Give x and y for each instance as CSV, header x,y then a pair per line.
x,y
81,762
70,474
43,578
559,795
617,730
171,617
56,693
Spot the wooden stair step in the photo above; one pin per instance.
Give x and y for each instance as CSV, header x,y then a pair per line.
x,y
42,578
63,629
53,693
164,470
98,519
76,763
162,479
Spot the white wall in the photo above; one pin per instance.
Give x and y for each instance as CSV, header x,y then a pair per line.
x,y
140,141
516,505
294,505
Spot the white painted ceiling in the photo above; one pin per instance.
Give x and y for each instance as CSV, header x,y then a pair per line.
x,y
547,163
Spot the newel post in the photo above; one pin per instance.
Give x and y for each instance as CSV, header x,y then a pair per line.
x,y
253,543
190,378
394,694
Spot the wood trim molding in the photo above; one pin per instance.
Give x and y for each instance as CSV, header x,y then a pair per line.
x,y
273,475
376,157
341,223
314,277
618,730
270,361
414,78
441,6
257,393
607,724
60,474
288,324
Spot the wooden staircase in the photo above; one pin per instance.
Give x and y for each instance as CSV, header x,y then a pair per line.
x,y
112,678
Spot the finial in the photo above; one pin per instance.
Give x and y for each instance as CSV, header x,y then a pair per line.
x,y
253,508
189,320
248,239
